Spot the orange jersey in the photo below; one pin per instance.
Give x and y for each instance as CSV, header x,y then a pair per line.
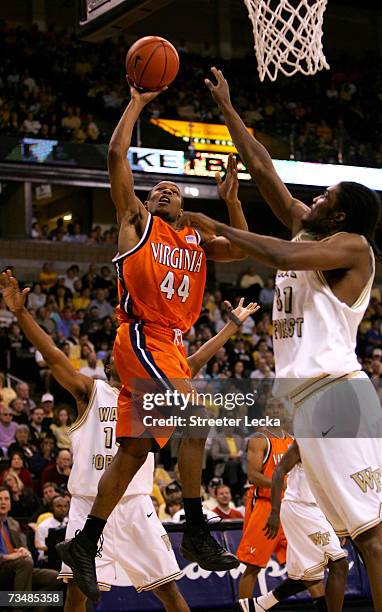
x,y
276,448
162,279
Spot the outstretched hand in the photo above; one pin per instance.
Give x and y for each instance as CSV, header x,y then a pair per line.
x,y
13,297
228,189
242,312
219,90
143,97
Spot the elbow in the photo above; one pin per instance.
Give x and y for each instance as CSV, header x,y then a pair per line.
x,y
115,152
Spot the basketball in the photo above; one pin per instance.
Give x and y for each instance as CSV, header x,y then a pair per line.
x,y
152,63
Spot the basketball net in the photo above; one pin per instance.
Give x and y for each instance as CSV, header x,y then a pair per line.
x,y
288,36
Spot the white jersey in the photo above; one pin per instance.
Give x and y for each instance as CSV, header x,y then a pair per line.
x,y
298,489
314,333
93,445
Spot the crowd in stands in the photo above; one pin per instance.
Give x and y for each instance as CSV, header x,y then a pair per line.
x,y
71,232
55,86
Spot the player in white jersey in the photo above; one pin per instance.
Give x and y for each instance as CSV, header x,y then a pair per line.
x,y
312,542
134,521
323,287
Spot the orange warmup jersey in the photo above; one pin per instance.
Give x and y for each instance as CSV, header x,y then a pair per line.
x,y
162,279
255,548
161,284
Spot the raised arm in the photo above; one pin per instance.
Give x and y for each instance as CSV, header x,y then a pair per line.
x,y
288,461
219,248
342,250
77,384
131,214
210,348
257,159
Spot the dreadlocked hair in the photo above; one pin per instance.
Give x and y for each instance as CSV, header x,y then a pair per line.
x,y
363,209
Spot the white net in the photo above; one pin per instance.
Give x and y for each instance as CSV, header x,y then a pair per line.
x,y
288,36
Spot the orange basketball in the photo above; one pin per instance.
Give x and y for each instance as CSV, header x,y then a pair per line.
x,y
152,63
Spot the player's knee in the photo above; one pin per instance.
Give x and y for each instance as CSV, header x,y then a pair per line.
x,y
339,567
370,543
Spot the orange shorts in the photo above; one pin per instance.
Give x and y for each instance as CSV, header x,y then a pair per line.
x,y
147,361
254,547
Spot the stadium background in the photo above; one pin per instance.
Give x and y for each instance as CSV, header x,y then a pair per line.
x,y
61,95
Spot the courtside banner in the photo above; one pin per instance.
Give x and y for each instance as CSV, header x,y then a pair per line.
x,y
204,590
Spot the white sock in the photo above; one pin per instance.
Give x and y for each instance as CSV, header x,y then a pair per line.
x,y
267,601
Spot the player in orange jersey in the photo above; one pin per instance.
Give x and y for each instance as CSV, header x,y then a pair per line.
x,y
265,451
161,279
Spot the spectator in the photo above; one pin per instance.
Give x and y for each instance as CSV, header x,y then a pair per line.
x,y
64,325
60,227
266,295
19,415
46,321
76,235
7,394
47,404
17,467
61,428
49,492
17,571
59,472
374,336
36,298
155,504
23,393
250,278
47,276
60,509
105,309
263,370
43,457
93,369
223,508
30,126
6,317
226,451
210,497
24,502
7,429
37,429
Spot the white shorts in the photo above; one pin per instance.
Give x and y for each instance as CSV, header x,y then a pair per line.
x,y
136,548
344,473
311,540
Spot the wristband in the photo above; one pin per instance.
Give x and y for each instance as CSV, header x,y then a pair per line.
x,y
234,318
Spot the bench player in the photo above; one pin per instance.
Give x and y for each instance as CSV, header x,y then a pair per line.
x,y
312,543
265,450
322,291
161,279
144,555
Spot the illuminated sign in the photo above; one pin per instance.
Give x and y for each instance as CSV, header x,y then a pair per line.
x,y
204,136
156,160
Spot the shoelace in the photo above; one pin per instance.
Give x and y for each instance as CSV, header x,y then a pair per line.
x,y
100,547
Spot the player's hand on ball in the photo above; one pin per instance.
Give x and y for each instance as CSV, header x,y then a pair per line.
x,y
143,97
229,188
272,525
242,312
13,297
220,90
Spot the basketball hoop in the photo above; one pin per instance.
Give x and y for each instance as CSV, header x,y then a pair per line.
x,y
288,36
